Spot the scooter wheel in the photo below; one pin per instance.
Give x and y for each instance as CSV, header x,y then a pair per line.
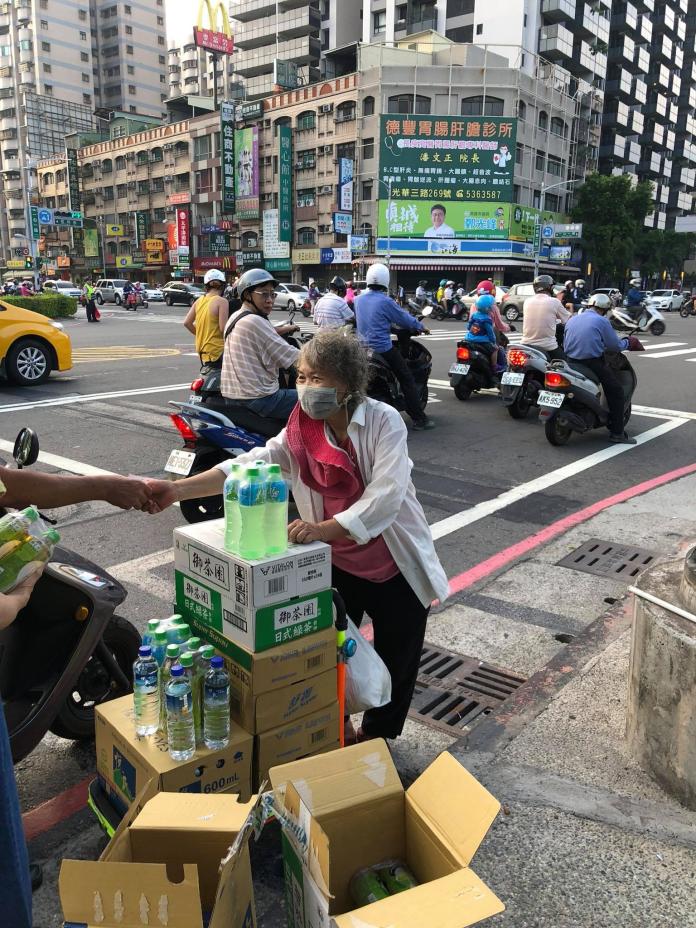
x,y
556,434
657,328
463,391
520,408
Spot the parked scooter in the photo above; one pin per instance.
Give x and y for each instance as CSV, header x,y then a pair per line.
x,y
573,400
67,651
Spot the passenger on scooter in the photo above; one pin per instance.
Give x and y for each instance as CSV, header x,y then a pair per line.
x,y
542,313
587,336
634,299
332,310
207,318
255,351
481,332
376,313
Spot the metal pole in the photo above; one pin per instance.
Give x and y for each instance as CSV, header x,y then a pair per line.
x,y
389,203
537,250
215,82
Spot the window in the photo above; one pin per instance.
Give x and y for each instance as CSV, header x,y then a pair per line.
x,y
366,190
345,112
459,7
160,40
82,14
44,24
516,189
521,109
160,20
558,127
306,236
306,198
462,34
280,122
161,59
108,193
45,46
162,78
157,185
519,153
368,106
543,121
536,199
156,154
401,12
554,166
85,78
121,190
129,49
47,68
129,30
130,68
131,89
202,148
127,9
479,29
379,23
552,202
120,163
306,120
203,181
43,4
404,103
83,36
143,187
159,214
142,157
483,106
540,161
84,56
87,99
107,166
368,148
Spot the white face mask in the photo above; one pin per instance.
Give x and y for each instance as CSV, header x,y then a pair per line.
x,y
320,402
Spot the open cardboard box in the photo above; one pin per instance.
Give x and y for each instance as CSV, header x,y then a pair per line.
x,y
354,812
172,859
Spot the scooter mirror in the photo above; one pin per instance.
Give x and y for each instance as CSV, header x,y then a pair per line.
x,y
26,448
427,311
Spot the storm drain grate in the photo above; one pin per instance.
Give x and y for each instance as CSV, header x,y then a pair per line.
x,y
607,559
454,691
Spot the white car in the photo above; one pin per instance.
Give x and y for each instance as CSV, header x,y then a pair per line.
x,y
290,296
666,301
62,288
152,294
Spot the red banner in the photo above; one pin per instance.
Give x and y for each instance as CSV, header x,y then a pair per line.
x,y
171,236
182,228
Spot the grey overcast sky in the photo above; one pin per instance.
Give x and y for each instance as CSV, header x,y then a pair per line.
x,y
181,18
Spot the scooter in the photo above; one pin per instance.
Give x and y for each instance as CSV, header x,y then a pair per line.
x,y
573,400
306,308
67,651
650,320
524,377
688,309
384,384
472,370
458,311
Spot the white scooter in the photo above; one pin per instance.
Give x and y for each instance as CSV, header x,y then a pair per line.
x,y
649,320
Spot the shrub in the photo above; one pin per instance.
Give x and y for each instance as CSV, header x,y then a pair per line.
x,y
53,306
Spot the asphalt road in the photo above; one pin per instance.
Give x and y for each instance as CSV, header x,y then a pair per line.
x,y
130,365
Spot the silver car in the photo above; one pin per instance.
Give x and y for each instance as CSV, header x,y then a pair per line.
x,y
290,296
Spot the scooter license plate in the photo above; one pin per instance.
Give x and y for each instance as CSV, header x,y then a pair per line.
x,y
546,398
195,399
512,379
461,369
180,462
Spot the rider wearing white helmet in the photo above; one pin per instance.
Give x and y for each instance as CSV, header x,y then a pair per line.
x,y
579,293
634,298
207,318
376,313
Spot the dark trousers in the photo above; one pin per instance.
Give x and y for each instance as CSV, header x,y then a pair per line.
x,y
398,364
612,390
91,308
15,883
398,619
555,354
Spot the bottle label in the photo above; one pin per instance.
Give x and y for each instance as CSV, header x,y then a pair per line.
x,y
181,704
276,493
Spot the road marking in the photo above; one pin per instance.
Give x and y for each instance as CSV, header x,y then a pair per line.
x,y
120,353
457,521
66,464
663,345
89,397
670,354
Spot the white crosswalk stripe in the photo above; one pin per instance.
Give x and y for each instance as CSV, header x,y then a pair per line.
x,y
653,347
671,354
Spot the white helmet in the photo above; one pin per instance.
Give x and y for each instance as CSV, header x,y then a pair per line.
x,y
635,282
599,301
579,282
378,276
214,274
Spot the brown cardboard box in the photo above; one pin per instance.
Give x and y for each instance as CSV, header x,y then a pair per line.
x,y
303,738
256,679
162,867
352,808
126,761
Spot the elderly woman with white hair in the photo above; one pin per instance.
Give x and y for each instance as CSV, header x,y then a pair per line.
x,y
346,458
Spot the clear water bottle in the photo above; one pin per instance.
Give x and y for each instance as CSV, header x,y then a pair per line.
x,y
146,692
149,635
233,524
169,626
216,706
171,658
159,647
203,658
194,645
182,633
276,511
252,509
193,672
181,737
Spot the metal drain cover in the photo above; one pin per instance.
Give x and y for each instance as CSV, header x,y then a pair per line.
x,y
454,691
607,559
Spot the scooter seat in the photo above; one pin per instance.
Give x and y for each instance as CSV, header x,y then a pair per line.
x,y
585,371
246,418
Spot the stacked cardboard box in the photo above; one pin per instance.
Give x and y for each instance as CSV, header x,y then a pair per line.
x,y
273,621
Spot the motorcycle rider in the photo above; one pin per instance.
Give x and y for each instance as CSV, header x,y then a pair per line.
x,y
332,309
542,313
634,299
421,292
207,318
448,298
255,351
566,296
376,313
481,331
579,294
587,336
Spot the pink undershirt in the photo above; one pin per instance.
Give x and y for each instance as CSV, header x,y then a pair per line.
x,y
372,561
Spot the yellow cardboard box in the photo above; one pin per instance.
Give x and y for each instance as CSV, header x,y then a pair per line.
x,y
281,707
354,813
174,861
304,737
126,761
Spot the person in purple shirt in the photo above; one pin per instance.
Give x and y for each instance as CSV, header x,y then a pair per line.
x,y
587,336
376,312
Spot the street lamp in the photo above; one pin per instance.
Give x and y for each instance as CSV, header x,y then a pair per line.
x,y
540,218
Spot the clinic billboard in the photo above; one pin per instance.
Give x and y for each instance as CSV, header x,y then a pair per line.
x,y
246,181
447,159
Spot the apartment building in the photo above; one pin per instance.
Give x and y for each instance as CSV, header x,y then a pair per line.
x,y
191,72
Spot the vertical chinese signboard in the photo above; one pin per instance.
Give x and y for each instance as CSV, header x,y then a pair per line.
x,y
227,156
285,187
73,178
345,184
246,153
142,226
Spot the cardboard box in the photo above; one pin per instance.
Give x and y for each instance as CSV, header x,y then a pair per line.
x,y
256,604
353,810
126,761
304,738
162,867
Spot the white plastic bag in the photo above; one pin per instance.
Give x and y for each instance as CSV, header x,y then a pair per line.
x,y
368,682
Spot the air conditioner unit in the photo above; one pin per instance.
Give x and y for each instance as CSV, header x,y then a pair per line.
x,y
328,149
168,178
130,156
326,229
132,185
326,108
168,146
335,161
327,188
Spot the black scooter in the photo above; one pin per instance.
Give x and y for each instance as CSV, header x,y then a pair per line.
x,y
67,651
384,384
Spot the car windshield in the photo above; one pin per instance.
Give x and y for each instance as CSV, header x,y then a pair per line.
x,y
662,293
119,283
295,288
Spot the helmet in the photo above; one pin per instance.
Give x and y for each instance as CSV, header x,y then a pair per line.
x,y
378,276
214,274
256,277
450,283
579,282
569,283
543,282
485,286
600,301
635,282
339,285
443,283
485,302
423,283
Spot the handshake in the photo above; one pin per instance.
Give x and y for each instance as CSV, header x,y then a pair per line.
x,y
141,493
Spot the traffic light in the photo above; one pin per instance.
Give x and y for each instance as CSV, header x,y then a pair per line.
x,y
29,264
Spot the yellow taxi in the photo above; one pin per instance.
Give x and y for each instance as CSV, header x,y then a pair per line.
x,y
31,345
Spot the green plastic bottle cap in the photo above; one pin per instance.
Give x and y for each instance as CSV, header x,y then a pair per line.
x,y
274,469
253,472
161,638
31,513
207,651
153,625
193,644
236,468
175,619
184,630
172,650
186,659
52,536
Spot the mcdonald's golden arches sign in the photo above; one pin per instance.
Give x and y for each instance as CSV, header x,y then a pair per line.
x,y
217,37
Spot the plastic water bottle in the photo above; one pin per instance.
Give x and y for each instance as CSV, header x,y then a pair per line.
x,y
181,737
276,511
203,658
146,692
149,635
252,509
183,633
171,658
262,468
233,523
15,525
193,672
169,626
159,647
194,645
216,706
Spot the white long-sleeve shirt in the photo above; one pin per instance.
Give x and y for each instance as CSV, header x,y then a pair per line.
x,y
332,311
388,507
542,313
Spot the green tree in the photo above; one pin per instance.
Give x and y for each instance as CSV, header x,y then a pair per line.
x,y
661,251
612,211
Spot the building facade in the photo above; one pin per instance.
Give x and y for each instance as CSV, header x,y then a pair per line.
x,y
191,73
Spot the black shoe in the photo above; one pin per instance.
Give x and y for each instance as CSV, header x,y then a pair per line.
x,y
623,439
36,875
421,425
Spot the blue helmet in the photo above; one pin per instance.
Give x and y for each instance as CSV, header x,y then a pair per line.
x,y
485,302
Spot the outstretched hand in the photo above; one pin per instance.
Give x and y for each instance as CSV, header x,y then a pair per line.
x,y
162,495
